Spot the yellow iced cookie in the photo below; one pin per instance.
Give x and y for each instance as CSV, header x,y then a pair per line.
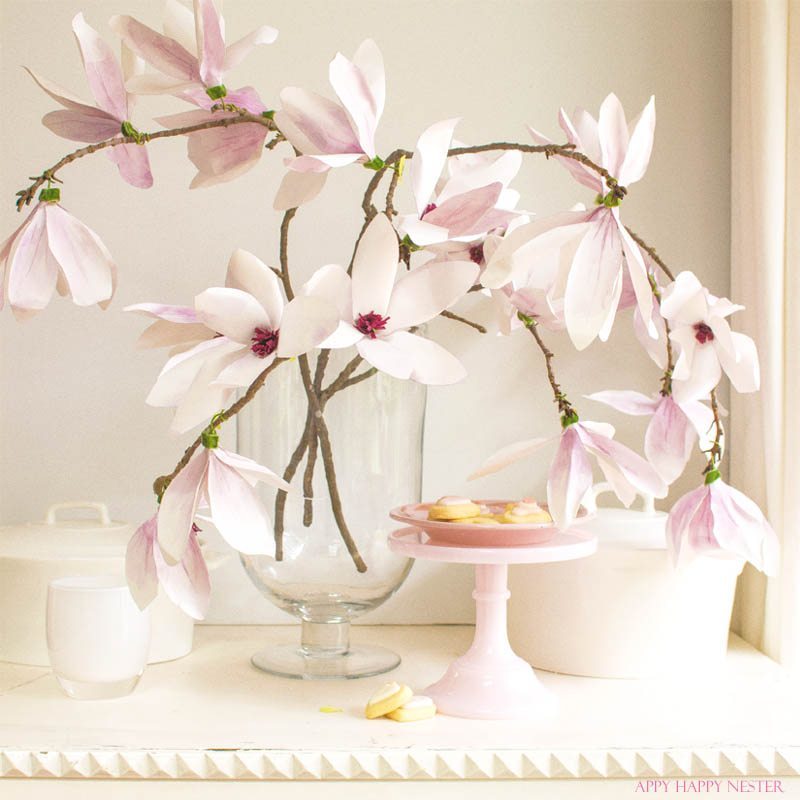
x,y
480,520
526,511
418,707
450,509
388,698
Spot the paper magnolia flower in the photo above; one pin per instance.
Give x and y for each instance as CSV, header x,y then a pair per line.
x,y
376,310
223,482
699,326
222,154
191,55
251,326
570,475
80,122
595,280
673,430
185,583
472,201
177,327
716,519
53,250
330,134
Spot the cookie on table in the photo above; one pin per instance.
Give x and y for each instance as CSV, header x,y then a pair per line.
x,y
417,708
526,511
453,509
387,699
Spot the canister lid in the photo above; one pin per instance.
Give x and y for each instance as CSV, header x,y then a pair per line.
x,y
627,528
64,534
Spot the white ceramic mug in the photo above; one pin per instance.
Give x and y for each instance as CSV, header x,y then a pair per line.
x,y
97,637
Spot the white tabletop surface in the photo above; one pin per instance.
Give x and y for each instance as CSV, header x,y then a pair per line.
x,y
213,715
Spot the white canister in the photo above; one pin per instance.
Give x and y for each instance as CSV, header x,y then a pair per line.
x,y
627,611
33,554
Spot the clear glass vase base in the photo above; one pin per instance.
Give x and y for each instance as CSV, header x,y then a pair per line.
x,y
293,661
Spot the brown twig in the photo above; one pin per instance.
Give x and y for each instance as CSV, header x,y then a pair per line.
x,y
651,252
714,453
163,481
565,408
463,320
25,196
311,462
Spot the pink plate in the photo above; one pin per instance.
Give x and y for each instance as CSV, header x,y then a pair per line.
x,y
472,535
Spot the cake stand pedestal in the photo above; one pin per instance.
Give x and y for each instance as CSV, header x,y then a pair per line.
x,y
490,681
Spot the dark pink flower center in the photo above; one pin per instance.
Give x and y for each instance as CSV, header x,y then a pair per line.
x,y
369,323
428,208
703,333
476,253
265,342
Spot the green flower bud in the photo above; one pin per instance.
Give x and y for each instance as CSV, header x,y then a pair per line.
x,y
376,163
210,439
216,92
610,200
408,243
712,476
268,114
50,195
129,131
527,321
569,419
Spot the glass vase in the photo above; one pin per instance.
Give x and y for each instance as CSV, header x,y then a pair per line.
x,y
375,428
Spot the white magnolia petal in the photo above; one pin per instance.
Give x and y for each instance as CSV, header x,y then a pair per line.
x,y
509,455
369,60
237,512
613,130
423,293
307,322
345,335
683,301
252,471
430,363
375,267
298,188
187,583
332,284
231,312
743,369
637,270
628,402
32,272
640,146
250,274
244,370
179,506
355,94
429,159
236,53
140,565
386,357
420,232
704,373
569,478
669,440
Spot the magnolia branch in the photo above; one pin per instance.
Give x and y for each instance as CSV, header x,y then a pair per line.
x,y
714,453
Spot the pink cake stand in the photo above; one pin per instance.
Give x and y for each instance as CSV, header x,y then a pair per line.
x,y
490,681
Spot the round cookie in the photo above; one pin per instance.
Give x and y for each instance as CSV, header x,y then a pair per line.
x,y
387,699
417,708
451,509
526,511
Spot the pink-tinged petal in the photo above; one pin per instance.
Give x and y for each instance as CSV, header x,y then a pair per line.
x,y
203,399
509,455
624,463
179,506
140,565
252,471
298,188
322,163
236,511
628,402
594,283
307,321
103,72
430,363
691,513
237,52
375,267
701,417
353,91
178,24
155,83
640,146
587,130
133,164
460,214
84,259
637,271
386,357
79,126
613,130
655,348
345,335
493,219
231,312
332,284
422,233
581,173
222,154
323,123
183,370
62,96
743,370
32,271
429,159
704,374
669,440
369,61
250,274
502,169
210,42
165,54
169,334
423,293
187,583
569,478
179,314
244,370
741,528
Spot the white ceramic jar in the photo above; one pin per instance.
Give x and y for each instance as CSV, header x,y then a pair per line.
x,y
627,611
33,554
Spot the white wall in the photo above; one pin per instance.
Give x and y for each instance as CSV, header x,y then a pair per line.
x,y
72,387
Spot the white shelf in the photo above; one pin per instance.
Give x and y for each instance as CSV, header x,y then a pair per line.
x,y
213,716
